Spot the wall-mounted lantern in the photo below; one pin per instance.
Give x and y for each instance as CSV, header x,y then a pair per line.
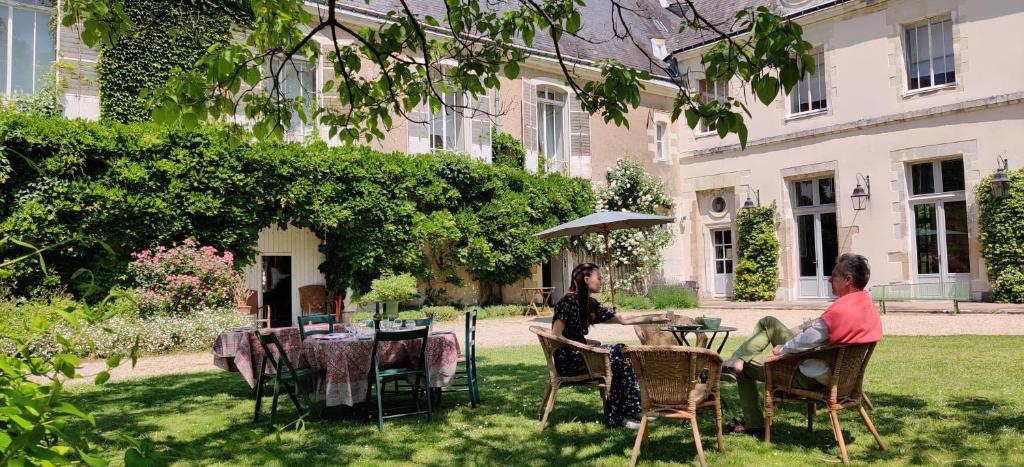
x,y
749,203
1000,181
861,193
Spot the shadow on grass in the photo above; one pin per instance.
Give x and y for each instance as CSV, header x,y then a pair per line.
x,y
207,417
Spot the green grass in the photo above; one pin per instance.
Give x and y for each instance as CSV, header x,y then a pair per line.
x,y
939,400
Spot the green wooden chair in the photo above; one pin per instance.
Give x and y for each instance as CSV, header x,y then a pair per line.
x,y
284,374
465,373
379,376
315,319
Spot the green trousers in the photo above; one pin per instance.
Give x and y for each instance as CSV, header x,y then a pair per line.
x,y
768,333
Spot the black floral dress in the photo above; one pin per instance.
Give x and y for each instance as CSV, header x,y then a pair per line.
x,y
624,397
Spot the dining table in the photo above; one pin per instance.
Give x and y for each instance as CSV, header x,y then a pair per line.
x,y
345,358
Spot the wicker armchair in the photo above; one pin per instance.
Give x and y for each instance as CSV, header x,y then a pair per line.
x,y
649,334
599,369
845,388
670,387
313,300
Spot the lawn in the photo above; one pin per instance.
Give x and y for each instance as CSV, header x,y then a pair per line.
x,y
939,400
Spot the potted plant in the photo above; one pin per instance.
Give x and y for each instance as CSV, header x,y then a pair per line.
x,y
391,290
241,294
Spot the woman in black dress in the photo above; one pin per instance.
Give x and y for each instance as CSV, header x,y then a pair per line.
x,y
574,314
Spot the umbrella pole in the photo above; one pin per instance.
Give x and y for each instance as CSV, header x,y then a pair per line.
x,y
611,267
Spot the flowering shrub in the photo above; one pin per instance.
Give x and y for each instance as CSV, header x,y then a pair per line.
x,y
635,252
156,334
185,278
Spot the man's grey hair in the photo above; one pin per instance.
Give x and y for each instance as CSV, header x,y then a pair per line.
x,y
855,267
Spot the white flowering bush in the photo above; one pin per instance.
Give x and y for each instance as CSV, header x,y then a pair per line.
x,y
184,278
636,253
160,333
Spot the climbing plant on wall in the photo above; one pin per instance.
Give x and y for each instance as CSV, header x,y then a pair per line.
x,y
164,35
757,250
1001,222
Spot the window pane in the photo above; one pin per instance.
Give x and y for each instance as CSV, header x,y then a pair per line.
x,y
719,267
727,237
924,67
826,191
953,175
728,267
805,243
829,243
958,256
922,179
805,193
912,58
437,129
937,54
947,46
4,12
44,49
926,234
21,66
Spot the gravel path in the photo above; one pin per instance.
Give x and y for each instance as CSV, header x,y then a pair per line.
x,y
515,331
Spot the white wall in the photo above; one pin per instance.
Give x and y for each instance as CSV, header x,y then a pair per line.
x,y
302,245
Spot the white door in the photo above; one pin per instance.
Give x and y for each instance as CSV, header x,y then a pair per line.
x,y
816,236
721,244
939,215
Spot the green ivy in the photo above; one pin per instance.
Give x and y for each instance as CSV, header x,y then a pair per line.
x,y
1001,222
137,186
507,150
164,37
757,271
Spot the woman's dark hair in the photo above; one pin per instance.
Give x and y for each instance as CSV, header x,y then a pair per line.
x,y
579,288
855,267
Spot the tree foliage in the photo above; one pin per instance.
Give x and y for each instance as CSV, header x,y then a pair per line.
x,y
757,252
385,71
1001,222
507,150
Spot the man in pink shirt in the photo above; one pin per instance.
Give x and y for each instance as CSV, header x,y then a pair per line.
x,y
851,319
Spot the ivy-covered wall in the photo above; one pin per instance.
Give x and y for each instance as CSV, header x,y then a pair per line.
x,y
1001,222
136,186
757,252
167,35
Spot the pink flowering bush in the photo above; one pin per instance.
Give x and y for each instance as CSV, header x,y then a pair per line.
x,y
183,279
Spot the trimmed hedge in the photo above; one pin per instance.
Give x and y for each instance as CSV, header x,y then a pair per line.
x,y
132,187
1001,225
757,271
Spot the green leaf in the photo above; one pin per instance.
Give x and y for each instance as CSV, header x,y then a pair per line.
x,y
766,88
511,70
102,377
114,360
574,22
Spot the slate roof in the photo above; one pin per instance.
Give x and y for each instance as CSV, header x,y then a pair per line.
x,y
597,27
598,24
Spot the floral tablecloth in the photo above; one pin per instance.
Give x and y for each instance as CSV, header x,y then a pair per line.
x,y
346,362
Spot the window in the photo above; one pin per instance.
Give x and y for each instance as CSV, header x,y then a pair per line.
x,y
297,80
26,50
551,127
661,26
713,91
718,205
929,50
446,125
935,177
810,93
661,141
805,191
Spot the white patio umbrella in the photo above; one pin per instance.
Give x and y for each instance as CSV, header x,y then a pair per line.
x,y
603,222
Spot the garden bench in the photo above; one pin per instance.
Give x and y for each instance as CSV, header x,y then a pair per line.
x,y
955,291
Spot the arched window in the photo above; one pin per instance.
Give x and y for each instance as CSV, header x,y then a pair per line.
x,y
551,125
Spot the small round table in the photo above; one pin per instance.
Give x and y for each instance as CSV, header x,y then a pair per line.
x,y
680,333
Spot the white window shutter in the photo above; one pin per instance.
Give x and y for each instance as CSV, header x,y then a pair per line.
x,y
579,139
419,130
480,128
530,125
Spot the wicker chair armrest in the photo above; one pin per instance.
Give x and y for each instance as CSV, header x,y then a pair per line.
x,y
781,371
